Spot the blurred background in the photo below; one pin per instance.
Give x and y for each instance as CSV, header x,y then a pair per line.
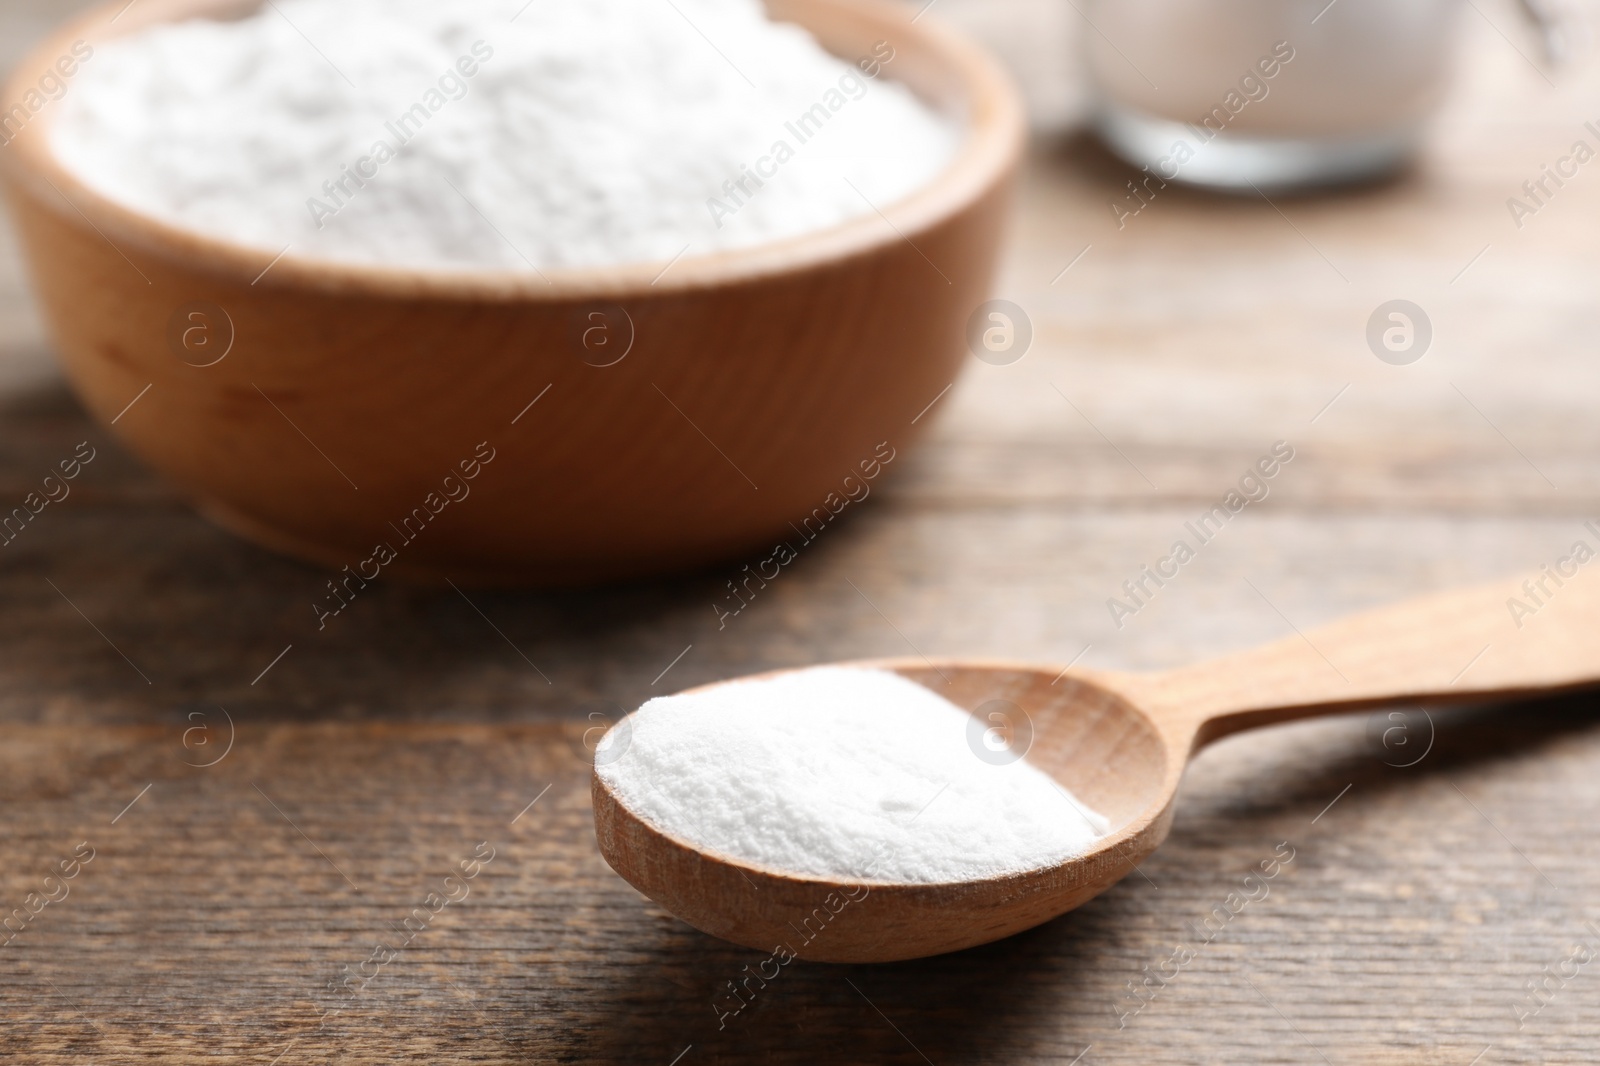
x,y
1170,350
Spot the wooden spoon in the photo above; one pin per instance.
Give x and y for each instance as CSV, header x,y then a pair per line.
x,y
1120,743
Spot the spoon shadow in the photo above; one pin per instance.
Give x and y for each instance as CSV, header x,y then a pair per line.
x,y
1002,1001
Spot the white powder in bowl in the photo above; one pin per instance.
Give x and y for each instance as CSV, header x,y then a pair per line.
x,y
497,133
839,772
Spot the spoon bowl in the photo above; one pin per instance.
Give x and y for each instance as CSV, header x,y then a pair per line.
x,y
1095,742
1120,743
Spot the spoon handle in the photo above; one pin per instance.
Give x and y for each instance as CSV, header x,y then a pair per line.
x,y
1505,639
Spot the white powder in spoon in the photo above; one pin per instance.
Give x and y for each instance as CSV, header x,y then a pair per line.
x,y
839,772
497,133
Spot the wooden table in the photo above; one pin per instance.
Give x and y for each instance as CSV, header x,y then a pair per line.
x,y
224,905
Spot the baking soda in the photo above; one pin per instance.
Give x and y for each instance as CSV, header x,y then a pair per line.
x,y
839,772
497,133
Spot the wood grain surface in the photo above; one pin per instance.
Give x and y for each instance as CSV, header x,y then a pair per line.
x,y
1421,903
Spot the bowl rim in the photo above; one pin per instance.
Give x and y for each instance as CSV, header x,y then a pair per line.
x,y
992,136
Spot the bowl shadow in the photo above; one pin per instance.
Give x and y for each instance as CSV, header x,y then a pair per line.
x,y
126,602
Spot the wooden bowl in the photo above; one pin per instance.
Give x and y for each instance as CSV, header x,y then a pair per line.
x,y
756,383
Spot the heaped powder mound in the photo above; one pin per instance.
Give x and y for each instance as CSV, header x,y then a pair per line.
x,y
497,133
840,772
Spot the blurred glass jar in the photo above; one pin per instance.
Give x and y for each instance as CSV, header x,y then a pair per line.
x,y
1268,93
